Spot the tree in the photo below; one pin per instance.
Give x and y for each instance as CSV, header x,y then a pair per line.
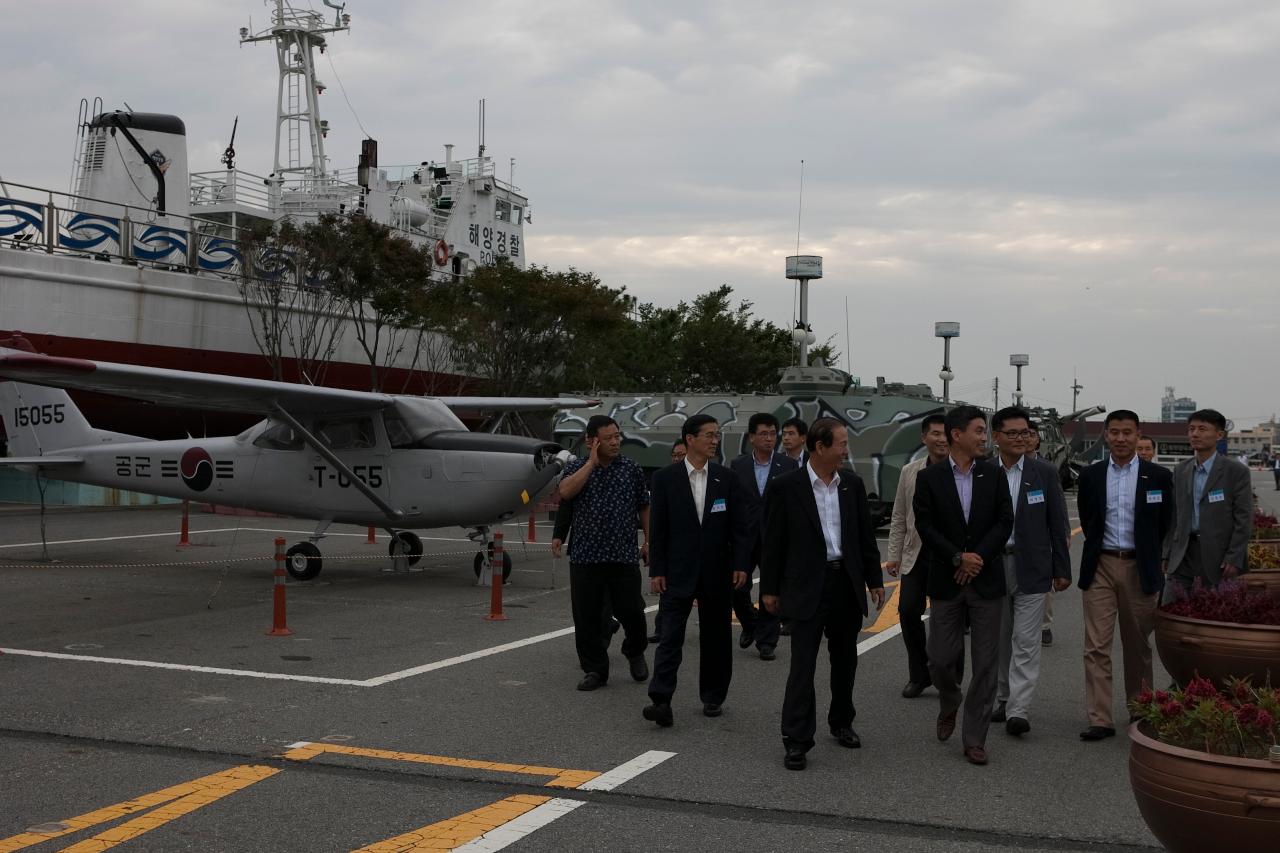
x,y
378,278
534,331
291,314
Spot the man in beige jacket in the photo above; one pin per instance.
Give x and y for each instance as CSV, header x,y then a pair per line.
x,y
904,553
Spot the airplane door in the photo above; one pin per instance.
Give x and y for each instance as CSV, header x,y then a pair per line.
x,y
354,439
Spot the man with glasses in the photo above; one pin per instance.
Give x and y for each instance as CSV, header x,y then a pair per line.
x,y
755,470
1035,559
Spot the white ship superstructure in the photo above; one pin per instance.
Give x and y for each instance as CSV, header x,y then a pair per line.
x,y
141,260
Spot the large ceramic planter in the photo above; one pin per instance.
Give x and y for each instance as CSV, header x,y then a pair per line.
x,y
1217,650
1262,580
1193,801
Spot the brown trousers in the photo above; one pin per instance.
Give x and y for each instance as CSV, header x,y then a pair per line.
x,y
1116,591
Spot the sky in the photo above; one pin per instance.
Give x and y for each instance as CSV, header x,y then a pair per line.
x,y
1091,183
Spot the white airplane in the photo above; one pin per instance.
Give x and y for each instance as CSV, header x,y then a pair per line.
x,y
352,457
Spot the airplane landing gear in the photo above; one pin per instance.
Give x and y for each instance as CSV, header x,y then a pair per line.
x,y
482,558
407,544
302,561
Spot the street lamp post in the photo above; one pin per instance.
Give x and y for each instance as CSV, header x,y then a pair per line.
x,y
946,331
1019,361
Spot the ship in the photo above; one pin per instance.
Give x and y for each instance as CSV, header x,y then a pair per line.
x,y
140,261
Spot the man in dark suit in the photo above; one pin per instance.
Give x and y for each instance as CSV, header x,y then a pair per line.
x,y
700,542
820,559
1213,496
1036,560
755,470
1126,509
794,434
964,517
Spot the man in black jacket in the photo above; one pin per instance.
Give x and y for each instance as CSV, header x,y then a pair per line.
x,y
700,542
820,559
964,516
755,470
1126,509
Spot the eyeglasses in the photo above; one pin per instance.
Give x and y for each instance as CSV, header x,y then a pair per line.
x,y
1017,433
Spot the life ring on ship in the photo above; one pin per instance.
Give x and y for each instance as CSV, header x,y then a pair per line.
x,y
441,253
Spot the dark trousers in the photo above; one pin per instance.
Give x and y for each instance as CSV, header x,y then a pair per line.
x,y
839,616
715,640
761,625
912,598
946,656
1276,473
590,586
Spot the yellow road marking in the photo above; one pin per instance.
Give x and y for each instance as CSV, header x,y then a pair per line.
x,y
889,615
561,778
456,831
182,799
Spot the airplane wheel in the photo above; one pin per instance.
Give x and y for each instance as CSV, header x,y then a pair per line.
x,y
482,557
302,561
408,544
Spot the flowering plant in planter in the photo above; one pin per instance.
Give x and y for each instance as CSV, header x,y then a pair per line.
x,y
1242,721
1263,558
1265,525
1230,601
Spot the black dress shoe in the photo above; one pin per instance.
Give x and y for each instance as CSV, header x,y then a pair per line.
x,y
711,709
1046,637
847,737
653,638
1097,733
914,689
784,628
592,680
794,759
746,638
1017,726
946,725
767,653
660,713
997,716
639,669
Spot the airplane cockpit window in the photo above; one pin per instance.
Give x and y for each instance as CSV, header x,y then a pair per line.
x,y
398,432
346,433
279,437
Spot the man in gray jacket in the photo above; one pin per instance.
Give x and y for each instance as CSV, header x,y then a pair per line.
x,y
1035,559
1213,497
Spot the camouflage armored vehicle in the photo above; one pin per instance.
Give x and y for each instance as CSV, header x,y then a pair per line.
x,y
883,422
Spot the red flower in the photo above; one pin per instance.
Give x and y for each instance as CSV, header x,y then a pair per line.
x,y
1161,697
1171,708
1247,714
1145,697
1201,688
1241,691
1264,720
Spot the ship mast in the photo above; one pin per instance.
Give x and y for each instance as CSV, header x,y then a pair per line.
x,y
297,33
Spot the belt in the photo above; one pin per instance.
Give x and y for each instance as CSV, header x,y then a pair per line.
x,y
1123,555
835,565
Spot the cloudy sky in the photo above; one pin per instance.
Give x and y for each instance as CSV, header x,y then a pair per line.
x,y
1093,183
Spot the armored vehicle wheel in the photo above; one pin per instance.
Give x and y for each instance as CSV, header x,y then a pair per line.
x,y
406,543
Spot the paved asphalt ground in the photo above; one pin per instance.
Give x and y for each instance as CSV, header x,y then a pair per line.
x,y
198,754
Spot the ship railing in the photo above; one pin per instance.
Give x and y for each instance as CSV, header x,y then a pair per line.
x,y
229,187
54,222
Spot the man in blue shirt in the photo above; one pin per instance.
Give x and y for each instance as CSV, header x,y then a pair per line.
x,y
609,498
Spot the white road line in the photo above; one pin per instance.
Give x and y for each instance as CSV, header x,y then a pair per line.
x,y
511,832
624,773
212,670
469,656
515,830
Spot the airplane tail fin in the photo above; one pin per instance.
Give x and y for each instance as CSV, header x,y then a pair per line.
x,y
40,421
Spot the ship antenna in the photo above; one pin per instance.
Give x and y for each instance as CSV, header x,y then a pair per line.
x,y
481,155
229,156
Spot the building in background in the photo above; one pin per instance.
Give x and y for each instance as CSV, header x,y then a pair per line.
x,y
1174,409
1255,442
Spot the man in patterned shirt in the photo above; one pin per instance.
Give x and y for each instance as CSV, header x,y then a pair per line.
x,y
609,496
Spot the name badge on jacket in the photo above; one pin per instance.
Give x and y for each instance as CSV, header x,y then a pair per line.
x,y
1155,496
1217,496
1035,496
719,505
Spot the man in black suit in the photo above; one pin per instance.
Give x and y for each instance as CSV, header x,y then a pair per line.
x,y
794,434
964,517
755,470
700,542
819,560
1126,509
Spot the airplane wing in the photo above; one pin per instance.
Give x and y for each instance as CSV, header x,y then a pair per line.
x,y
185,388
515,404
44,461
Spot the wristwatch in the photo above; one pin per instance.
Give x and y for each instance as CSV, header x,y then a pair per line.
x,y
955,559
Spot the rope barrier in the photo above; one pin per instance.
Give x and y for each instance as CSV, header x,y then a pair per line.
x,y
470,552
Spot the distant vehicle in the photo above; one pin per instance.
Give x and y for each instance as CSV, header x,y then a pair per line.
x,y
333,455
